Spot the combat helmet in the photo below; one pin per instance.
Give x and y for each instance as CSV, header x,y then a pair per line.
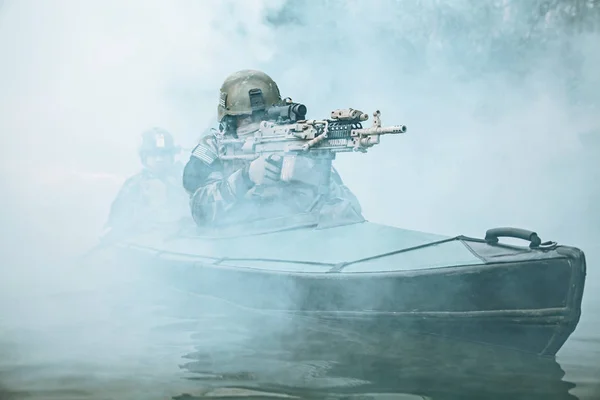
x,y
245,92
157,141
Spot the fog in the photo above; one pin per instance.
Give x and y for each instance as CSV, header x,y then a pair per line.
x,y
496,99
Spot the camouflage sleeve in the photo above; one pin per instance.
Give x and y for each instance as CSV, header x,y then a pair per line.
x,y
214,193
123,207
203,160
342,191
195,173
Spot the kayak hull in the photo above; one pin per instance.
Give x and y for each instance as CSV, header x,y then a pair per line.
x,y
512,296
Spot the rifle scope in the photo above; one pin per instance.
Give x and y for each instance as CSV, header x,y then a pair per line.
x,y
291,111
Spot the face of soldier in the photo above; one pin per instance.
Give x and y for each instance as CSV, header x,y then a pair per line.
x,y
159,162
246,125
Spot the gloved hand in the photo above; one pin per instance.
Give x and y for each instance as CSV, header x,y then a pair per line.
x,y
265,170
300,169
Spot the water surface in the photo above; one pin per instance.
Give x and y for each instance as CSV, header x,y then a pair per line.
x,y
121,337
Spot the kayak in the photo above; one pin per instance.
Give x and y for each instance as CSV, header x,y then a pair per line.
x,y
380,278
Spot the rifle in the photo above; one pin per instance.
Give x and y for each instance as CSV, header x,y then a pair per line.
x,y
286,132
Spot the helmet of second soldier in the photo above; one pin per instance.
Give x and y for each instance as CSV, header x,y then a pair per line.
x,y
157,150
246,93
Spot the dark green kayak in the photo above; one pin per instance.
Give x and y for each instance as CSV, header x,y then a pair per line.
x,y
378,277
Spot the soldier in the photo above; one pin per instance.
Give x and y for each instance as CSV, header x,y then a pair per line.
x,y
154,194
222,192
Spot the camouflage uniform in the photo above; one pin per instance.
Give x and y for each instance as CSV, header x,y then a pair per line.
x,y
221,192
151,196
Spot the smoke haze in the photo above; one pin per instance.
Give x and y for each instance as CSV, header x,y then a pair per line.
x,y
501,101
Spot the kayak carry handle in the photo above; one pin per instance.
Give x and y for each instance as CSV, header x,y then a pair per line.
x,y
492,235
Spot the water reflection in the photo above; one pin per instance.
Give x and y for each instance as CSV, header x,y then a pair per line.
x,y
148,343
238,353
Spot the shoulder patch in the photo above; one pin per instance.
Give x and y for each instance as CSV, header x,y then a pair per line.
x,y
205,152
